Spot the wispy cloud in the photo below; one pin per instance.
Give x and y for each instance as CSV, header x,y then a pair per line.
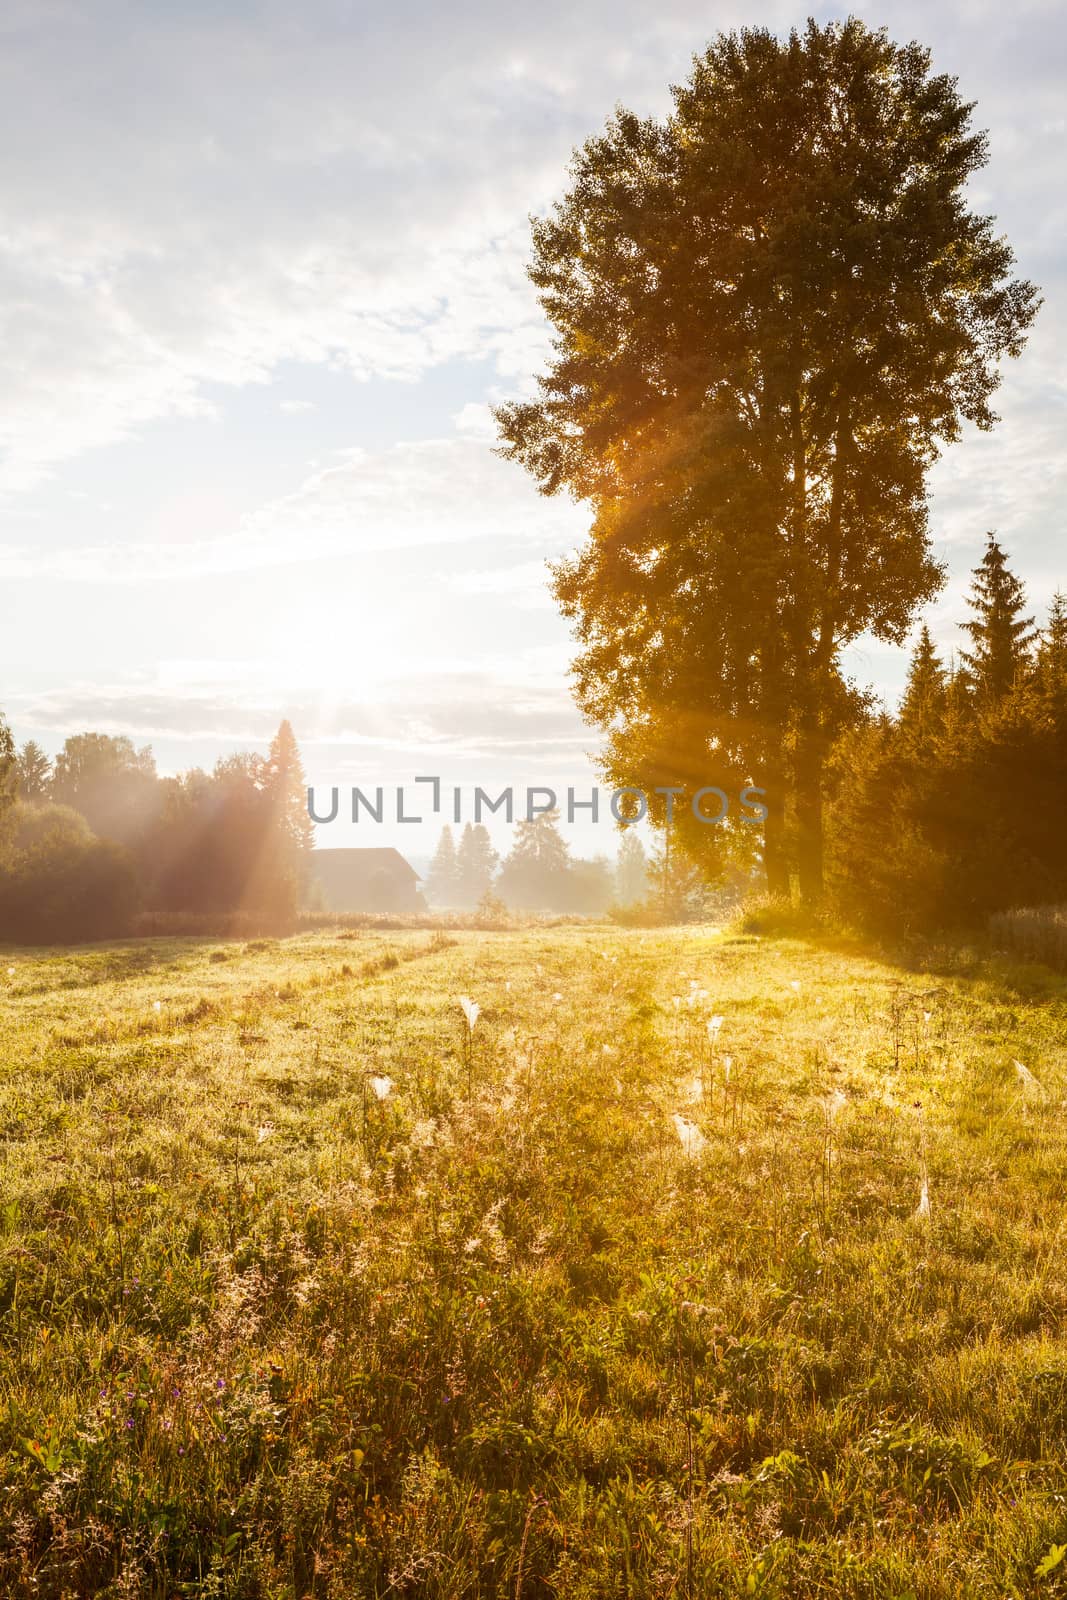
x,y
431,492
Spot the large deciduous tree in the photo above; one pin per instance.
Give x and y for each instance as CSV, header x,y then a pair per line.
x,y
112,785
771,311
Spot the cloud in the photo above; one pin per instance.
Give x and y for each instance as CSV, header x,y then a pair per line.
x,y
195,195
527,581
476,420
469,716
442,492
337,189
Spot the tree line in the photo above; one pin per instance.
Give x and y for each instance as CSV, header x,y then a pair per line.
x,y
90,840
952,809
537,874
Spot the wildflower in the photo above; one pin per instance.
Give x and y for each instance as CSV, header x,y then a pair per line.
x,y
714,1024
727,1063
557,998
157,1005
834,1103
695,1090
693,1141
11,972
1028,1081
794,984
471,1010
264,1132
923,1208
382,1087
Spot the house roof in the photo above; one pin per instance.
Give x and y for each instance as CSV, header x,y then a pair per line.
x,y
361,863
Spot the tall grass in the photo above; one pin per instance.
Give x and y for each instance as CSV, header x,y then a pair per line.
x,y
316,1281
1036,933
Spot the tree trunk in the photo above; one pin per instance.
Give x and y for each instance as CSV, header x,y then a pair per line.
x,y
775,856
809,781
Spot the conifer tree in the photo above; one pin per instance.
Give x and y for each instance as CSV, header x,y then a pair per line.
x,y
34,771
1052,650
475,863
534,874
442,880
8,767
922,710
1001,637
285,784
959,719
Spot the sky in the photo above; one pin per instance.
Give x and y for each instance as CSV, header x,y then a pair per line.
x,y
262,277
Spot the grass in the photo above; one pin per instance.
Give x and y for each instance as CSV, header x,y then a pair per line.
x,y
497,1325
1035,933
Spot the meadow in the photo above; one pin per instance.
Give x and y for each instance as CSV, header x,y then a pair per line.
x,y
676,1263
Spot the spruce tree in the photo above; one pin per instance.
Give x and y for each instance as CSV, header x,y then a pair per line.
x,y
284,782
922,710
442,880
1001,637
959,722
1052,650
534,874
476,863
34,771
8,767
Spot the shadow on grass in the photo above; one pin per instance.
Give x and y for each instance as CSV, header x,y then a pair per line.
x,y
964,954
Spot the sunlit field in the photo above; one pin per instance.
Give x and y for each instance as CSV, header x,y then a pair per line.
x,y
668,1264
